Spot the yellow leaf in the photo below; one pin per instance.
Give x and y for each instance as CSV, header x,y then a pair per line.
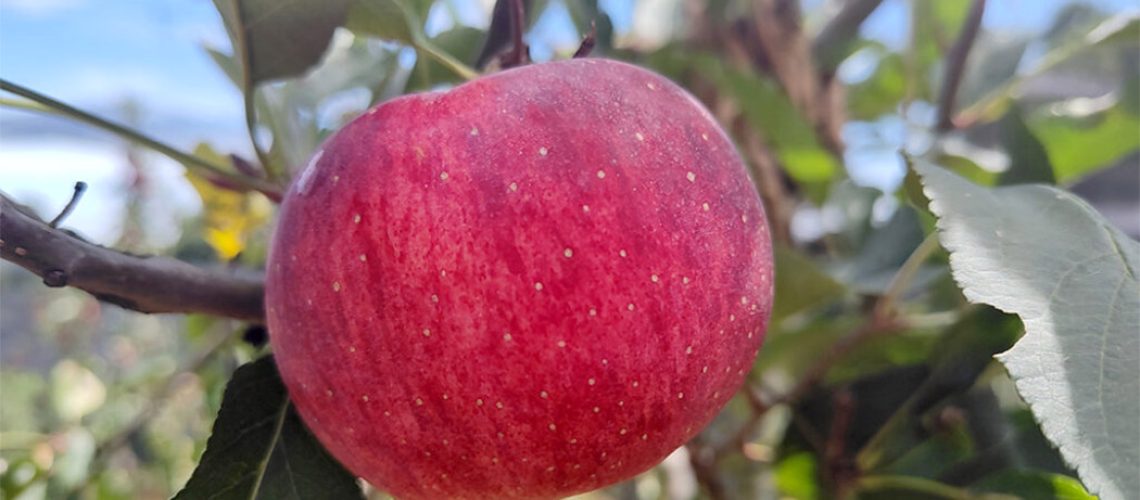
x,y
229,216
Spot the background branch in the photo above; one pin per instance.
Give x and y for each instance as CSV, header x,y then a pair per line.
x,y
956,64
142,283
829,46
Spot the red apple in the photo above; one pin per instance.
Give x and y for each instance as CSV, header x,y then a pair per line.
x,y
538,283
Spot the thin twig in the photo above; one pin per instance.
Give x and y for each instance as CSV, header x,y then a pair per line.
x,y
830,44
956,65
146,284
80,187
208,169
518,19
588,42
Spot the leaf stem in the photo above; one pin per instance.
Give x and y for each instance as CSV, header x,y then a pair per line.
x,y
190,161
926,487
905,275
249,90
422,44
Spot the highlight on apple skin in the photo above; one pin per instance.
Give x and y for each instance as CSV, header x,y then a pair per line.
x,y
535,284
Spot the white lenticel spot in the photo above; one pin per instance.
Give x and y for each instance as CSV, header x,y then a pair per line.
x,y
336,286
513,187
705,369
499,405
435,298
586,208
427,332
443,176
630,306
568,253
596,409
689,350
474,131
419,402
593,312
685,280
639,136
478,402
651,86
705,136
562,344
445,397
623,431
635,383
743,218
552,426
356,219
351,349
328,392
732,317
601,174
622,253
680,395
645,437
542,151
363,258
543,395
538,285
336,179
705,207
591,382
507,337
691,176
743,300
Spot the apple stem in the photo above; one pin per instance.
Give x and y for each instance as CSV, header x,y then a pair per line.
x,y
588,42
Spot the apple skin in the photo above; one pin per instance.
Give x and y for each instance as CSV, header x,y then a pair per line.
x,y
538,283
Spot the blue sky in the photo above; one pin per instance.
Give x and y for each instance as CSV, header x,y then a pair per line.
x,y
99,53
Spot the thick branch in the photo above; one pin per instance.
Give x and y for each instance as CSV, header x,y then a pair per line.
x,y
831,43
956,64
143,283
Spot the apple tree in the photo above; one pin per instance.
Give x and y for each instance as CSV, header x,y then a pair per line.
x,y
748,251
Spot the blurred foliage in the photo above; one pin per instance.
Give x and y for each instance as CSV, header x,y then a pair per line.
x,y
877,379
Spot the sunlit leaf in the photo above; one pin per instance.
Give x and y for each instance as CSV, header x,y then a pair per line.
x,y
1045,255
797,476
1031,484
1079,146
75,390
260,449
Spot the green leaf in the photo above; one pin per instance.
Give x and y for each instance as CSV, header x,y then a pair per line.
x,y
1028,160
1031,484
385,19
281,38
1045,255
1079,146
797,476
461,42
800,284
768,109
260,449
883,91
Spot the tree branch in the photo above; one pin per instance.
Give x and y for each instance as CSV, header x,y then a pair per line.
x,y
142,283
829,46
956,65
